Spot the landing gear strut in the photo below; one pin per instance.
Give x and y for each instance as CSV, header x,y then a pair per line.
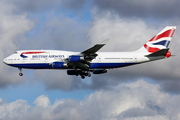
x,y
89,74
20,74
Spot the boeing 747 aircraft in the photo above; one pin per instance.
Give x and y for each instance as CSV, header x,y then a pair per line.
x,y
85,62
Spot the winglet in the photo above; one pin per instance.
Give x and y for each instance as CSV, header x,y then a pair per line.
x,y
104,41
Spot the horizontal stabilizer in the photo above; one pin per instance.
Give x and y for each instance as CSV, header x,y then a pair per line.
x,y
161,52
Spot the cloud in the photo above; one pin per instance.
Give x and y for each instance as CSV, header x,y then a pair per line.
x,y
42,101
138,100
13,28
58,32
56,79
14,110
35,6
143,9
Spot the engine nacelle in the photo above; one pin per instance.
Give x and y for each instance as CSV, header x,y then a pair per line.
x,y
101,71
78,72
75,58
59,65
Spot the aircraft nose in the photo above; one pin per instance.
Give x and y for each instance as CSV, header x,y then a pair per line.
x,y
5,61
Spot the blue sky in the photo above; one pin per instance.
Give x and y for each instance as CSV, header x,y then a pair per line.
x,y
30,92
152,89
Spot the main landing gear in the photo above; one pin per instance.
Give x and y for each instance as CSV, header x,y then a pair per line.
x,y
20,74
83,74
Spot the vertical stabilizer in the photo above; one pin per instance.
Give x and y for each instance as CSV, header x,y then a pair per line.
x,y
159,41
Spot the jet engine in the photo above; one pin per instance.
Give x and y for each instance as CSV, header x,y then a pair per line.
x,y
59,65
75,58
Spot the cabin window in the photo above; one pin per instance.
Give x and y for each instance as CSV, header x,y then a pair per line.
x,y
112,58
126,58
35,59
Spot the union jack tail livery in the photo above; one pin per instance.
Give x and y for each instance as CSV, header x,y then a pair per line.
x,y
160,41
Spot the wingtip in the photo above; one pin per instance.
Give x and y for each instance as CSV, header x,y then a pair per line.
x,y
104,41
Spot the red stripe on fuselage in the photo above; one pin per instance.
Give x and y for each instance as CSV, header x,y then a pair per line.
x,y
31,52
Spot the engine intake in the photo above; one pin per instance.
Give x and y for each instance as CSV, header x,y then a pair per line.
x,y
76,58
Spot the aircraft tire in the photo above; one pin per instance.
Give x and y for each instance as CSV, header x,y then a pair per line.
x,y
82,77
20,74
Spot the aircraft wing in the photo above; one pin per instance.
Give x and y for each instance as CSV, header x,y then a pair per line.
x,y
82,61
90,53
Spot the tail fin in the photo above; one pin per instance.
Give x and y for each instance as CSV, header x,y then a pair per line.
x,y
159,41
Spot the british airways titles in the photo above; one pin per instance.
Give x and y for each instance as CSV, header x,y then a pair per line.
x,y
48,56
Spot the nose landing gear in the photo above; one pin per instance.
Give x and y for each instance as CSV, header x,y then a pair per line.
x,y
20,74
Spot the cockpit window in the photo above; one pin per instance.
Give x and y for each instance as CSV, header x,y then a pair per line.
x,y
15,52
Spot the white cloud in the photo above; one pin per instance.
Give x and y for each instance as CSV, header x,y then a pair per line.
x,y
42,101
13,28
14,110
138,100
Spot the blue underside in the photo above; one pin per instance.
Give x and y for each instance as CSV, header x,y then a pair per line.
x,y
60,65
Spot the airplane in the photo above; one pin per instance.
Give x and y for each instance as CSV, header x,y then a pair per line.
x,y
91,61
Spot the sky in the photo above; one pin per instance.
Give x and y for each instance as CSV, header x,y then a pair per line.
x,y
146,91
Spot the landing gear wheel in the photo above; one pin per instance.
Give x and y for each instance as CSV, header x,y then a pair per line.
x,y
20,74
82,77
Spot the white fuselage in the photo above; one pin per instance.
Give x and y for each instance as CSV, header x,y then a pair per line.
x,y
56,59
